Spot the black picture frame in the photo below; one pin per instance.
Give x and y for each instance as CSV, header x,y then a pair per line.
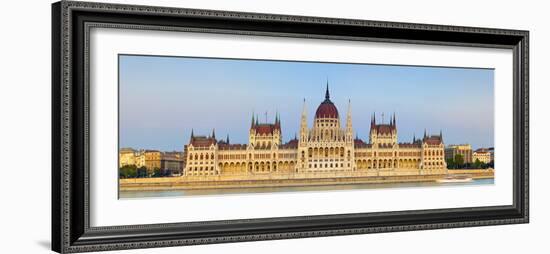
x,y
71,231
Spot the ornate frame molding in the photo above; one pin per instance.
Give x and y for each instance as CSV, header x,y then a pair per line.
x,y
71,22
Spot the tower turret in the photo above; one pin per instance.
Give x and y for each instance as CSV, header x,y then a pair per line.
x,y
349,127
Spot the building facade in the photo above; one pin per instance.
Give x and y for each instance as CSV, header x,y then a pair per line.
x,y
483,155
152,159
464,149
326,146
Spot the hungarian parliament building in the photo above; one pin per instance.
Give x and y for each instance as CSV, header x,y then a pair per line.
x,y
326,146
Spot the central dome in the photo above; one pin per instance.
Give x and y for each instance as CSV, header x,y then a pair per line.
x,y
327,108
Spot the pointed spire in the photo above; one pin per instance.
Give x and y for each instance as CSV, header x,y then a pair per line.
x,y
441,135
327,94
295,137
414,137
227,139
257,120
303,122
348,119
304,110
192,134
214,133
425,133
252,124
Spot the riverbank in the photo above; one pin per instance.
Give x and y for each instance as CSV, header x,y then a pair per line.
x,y
274,180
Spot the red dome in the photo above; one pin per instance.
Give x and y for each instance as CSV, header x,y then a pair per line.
x,y
326,110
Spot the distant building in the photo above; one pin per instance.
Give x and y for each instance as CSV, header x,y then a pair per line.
x,y
127,156
492,152
482,154
152,160
172,162
464,149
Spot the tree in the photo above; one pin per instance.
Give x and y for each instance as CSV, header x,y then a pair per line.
x,y
451,163
142,172
459,160
156,172
128,171
478,164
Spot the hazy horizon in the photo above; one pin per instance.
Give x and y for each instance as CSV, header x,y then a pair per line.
x,y
162,98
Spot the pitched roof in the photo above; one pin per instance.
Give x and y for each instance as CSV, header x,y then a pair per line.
x,y
384,128
265,128
291,144
433,140
202,141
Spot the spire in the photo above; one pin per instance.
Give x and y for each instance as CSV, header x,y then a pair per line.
x,y
277,120
192,135
214,133
227,139
252,124
441,135
348,119
414,138
304,111
303,123
425,133
327,94
257,120
393,120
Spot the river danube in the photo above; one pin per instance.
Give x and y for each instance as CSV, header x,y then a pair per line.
x,y
175,193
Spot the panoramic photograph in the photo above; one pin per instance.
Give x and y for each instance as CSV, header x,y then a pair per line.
x,y
214,126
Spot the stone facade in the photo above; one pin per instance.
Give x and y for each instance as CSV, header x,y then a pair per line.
x,y
325,147
152,159
483,155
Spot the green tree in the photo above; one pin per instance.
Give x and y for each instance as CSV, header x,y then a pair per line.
x,y
478,164
156,172
451,163
459,160
128,171
142,172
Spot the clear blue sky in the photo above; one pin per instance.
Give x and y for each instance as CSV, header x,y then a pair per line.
x,y
163,98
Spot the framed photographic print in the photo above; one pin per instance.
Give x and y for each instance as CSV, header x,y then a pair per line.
x,y
181,126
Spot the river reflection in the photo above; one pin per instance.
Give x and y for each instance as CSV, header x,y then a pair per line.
x,y
175,193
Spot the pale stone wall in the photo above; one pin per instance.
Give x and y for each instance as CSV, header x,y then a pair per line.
x,y
484,157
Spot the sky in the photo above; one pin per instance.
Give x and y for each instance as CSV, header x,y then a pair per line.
x,y
163,98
